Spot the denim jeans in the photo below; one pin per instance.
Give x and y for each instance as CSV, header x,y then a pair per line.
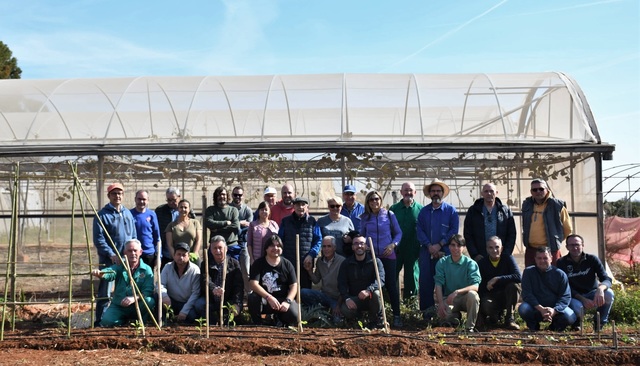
x,y
533,317
311,297
577,307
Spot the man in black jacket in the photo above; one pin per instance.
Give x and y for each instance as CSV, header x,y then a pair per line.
x,y
500,286
357,284
486,218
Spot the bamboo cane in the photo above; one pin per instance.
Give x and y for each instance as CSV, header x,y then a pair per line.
x,y
159,281
14,242
12,234
133,290
205,246
225,260
298,276
73,213
375,266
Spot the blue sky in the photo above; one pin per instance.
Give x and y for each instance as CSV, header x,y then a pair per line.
x,y
596,42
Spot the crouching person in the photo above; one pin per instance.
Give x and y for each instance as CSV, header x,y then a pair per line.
x,y
273,281
358,286
122,309
233,291
180,282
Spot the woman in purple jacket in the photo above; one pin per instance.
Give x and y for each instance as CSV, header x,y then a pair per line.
x,y
382,227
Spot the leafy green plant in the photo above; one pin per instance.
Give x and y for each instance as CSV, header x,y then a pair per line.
x,y
231,314
363,328
317,316
518,344
169,313
137,326
201,324
626,307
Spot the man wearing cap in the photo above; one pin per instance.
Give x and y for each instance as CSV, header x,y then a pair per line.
x,y
270,197
302,224
112,228
545,222
167,213
147,228
407,253
437,223
222,219
351,208
180,281
284,207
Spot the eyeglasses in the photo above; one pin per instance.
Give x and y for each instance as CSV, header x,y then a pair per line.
x,y
335,206
537,189
359,243
574,245
237,195
327,246
374,199
172,200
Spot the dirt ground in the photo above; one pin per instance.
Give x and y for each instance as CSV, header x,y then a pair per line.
x,y
40,338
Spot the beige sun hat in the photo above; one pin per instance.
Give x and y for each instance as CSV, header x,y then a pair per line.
x,y
445,188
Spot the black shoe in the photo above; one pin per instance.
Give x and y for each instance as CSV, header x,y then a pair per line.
x,y
397,321
452,323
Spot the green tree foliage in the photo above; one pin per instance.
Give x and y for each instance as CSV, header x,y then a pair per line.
x,y
622,207
8,65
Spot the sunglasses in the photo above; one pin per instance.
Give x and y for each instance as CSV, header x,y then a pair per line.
x,y
374,199
327,246
237,195
537,189
335,206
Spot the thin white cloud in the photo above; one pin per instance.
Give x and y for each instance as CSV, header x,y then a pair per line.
x,y
446,35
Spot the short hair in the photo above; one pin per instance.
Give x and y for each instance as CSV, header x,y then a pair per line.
x,y
546,250
495,239
237,187
273,239
458,239
574,236
354,234
217,238
140,191
333,239
337,200
539,181
134,241
173,190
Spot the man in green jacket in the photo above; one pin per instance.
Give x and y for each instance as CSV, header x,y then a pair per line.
x,y
123,304
408,251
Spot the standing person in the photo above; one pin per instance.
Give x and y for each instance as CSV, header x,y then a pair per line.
x,y
334,224
358,285
351,208
284,207
245,216
457,280
259,230
545,294
233,291
166,214
589,282
123,305
147,227
302,224
437,223
500,287
545,222
222,219
382,227
185,229
274,284
488,217
112,228
180,282
407,254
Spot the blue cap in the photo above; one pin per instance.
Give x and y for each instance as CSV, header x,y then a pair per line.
x,y
349,189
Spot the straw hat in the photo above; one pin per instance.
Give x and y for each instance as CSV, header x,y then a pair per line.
x,y
445,188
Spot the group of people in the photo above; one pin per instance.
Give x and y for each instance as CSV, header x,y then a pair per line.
x,y
260,254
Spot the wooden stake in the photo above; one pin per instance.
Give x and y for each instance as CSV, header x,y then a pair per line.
x,y
133,290
224,280
298,275
375,266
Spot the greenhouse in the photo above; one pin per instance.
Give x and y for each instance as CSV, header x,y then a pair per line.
x,y
317,132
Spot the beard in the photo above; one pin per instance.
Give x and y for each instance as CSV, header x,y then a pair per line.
x,y
436,199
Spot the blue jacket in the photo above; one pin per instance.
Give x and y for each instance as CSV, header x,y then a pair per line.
x,y
147,230
437,226
120,227
383,229
474,232
354,215
310,236
584,275
550,288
